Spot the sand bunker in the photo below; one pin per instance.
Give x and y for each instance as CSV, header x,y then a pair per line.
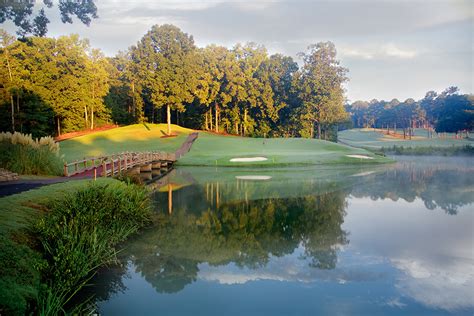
x,y
248,159
359,156
253,177
363,174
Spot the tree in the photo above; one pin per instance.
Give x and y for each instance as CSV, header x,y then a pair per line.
x,y
164,61
214,63
21,12
319,85
65,74
9,70
98,78
277,73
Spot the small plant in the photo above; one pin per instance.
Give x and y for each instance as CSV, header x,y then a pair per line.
x,y
80,234
22,154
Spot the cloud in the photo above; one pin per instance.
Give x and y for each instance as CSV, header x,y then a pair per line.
x,y
393,51
389,50
444,286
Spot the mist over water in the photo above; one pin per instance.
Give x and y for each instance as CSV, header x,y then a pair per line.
x,y
392,239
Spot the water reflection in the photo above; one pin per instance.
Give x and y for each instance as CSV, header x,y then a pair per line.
x,y
364,231
440,182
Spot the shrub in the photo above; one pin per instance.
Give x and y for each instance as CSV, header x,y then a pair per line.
x,y
22,154
80,234
20,277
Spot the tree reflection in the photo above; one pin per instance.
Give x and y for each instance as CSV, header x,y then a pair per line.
x,y
245,233
445,187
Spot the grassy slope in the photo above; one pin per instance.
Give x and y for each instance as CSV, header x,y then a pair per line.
x,y
20,210
369,138
211,150
129,138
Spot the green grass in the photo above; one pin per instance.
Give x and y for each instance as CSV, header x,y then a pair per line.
x,y
135,137
210,149
215,150
53,238
19,211
368,138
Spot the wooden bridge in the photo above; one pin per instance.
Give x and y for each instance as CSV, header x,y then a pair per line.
x,y
151,164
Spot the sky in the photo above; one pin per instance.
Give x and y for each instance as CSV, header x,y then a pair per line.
x,y
392,48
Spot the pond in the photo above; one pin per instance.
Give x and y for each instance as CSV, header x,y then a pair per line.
x,y
394,239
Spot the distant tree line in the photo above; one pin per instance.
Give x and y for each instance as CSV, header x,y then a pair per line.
x,y
53,86
447,111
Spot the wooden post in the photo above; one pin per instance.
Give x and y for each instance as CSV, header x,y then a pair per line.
x,y
66,170
170,199
95,173
113,168
125,162
85,163
120,165
75,166
104,169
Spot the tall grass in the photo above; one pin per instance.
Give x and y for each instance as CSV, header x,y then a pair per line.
x,y
22,154
80,234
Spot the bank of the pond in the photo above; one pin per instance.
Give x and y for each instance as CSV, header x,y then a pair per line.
x,y
466,150
232,151
55,237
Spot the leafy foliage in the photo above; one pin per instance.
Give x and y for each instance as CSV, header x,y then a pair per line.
x,y
446,112
21,12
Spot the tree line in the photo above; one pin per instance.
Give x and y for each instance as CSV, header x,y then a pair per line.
x,y
58,85
448,111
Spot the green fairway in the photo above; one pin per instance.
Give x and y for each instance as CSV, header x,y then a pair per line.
x,y
215,150
135,137
369,138
210,149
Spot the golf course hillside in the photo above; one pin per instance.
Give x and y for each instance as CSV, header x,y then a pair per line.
x,y
132,138
377,139
215,150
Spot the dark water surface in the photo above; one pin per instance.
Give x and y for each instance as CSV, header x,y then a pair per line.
x,y
392,240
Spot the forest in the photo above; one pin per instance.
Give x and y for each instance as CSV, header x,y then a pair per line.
x,y
52,86
447,111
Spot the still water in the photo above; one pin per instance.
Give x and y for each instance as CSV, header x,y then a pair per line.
x,y
393,240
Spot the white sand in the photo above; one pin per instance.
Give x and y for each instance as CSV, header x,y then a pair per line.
x,y
360,156
248,159
363,174
253,177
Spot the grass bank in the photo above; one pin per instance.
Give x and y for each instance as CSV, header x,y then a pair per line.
x,y
136,137
54,238
216,150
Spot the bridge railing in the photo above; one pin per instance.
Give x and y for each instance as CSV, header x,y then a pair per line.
x,y
116,163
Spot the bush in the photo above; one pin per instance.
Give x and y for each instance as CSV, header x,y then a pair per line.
x,y
80,234
20,277
22,154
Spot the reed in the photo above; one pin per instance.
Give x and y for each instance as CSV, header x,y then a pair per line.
x,y
22,154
